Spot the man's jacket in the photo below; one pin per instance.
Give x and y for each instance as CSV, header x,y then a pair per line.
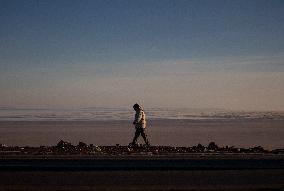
x,y
140,119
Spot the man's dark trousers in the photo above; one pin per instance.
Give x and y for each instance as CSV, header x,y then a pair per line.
x,y
143,134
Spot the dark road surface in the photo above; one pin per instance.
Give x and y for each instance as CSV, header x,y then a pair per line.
x,y
138,173
144,180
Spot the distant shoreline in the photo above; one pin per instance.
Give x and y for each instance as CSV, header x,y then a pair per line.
x,y
197,120
94,114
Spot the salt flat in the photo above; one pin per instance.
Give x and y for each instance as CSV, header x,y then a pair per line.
x,y
233,132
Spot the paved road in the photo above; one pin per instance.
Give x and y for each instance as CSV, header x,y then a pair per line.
x,y
139,174
143,180
139,163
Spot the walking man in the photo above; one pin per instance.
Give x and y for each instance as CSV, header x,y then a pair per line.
x,y
140,124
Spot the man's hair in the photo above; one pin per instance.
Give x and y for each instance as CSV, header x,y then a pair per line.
x,y
136,106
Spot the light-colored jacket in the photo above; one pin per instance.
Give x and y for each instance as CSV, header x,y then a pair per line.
x,y
140,119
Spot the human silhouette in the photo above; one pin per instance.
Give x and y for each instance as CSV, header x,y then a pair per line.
x,y
140,125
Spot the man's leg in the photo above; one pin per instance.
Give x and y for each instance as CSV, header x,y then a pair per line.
x,y
143,134
137,133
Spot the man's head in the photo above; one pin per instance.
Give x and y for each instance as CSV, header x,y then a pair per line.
x,y
136,107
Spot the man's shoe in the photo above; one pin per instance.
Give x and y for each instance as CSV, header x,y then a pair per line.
x,y
130,145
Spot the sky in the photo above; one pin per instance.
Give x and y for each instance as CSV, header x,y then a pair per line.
x,y
192,54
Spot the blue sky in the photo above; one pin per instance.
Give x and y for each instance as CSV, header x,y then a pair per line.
x,y
199,54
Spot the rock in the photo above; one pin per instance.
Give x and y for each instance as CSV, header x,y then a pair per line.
x,y
198,148
82,145
243,150
97,149
257,149
3,146
63,144
156,152
278,151
212,146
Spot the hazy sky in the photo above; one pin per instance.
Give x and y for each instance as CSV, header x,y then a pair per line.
x,y
196,54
